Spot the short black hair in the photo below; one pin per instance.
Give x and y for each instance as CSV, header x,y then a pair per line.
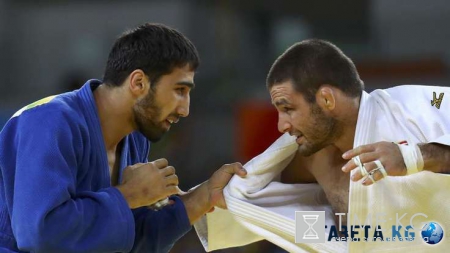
x,y
154,48
312,63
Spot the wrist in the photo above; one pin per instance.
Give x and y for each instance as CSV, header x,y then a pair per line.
x,y
433,156
127,195
412,158
207,200
197,201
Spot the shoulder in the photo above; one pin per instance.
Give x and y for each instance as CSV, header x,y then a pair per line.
x,y
59,113
412,91
412,94
50,124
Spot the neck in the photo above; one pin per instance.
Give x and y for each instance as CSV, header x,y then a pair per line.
x,y
114,113
348,125
345,141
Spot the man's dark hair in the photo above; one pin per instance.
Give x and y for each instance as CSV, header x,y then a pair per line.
x,y
311,63
154,48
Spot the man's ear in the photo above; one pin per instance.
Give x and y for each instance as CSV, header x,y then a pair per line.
x,y
138,83
326,98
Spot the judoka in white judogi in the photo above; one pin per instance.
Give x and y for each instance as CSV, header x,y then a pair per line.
x,y
259,207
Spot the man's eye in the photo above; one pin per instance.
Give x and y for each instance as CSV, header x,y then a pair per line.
x,y
285,109
180,90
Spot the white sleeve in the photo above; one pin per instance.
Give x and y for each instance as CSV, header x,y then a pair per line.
x,y
219,230
444,140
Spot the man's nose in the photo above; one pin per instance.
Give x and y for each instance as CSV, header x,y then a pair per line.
x,y
284,124
183,108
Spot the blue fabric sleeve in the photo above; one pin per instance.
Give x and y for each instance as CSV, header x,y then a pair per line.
x,y
157,231
48,214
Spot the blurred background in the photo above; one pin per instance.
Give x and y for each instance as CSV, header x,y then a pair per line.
x,y
52,46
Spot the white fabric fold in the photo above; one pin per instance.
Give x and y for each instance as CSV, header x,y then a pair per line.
x,y
260,207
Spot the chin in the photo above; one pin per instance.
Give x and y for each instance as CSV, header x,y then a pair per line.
x,y
152,136
153,139
308,150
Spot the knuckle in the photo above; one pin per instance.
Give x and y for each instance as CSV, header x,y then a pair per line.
x,y
161,162
363,157
232,166
136,165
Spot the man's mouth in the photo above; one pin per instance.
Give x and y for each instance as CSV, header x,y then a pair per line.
x,y
296,134
172,120
299,137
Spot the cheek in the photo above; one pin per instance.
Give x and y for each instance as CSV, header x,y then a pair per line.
x,y
306,125
172,106
166,109
298,121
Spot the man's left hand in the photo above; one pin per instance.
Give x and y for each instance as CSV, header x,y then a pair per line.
x,y
387,153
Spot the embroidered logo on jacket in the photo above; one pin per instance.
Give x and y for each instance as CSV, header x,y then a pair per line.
x,y
437,101
32,105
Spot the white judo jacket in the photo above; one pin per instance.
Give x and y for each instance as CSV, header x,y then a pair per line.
x,y
260,207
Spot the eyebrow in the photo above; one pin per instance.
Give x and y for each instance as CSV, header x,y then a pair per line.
x,y
188,84
281,102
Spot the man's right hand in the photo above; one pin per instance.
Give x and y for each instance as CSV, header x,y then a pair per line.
x,y
144,184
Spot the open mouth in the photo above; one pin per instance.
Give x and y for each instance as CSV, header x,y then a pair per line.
x,y
299,139
171,121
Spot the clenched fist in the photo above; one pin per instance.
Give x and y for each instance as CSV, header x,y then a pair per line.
x,y
144,184
220,179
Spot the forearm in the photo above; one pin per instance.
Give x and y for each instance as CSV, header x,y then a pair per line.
x,y
81,221
436,157
197,202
